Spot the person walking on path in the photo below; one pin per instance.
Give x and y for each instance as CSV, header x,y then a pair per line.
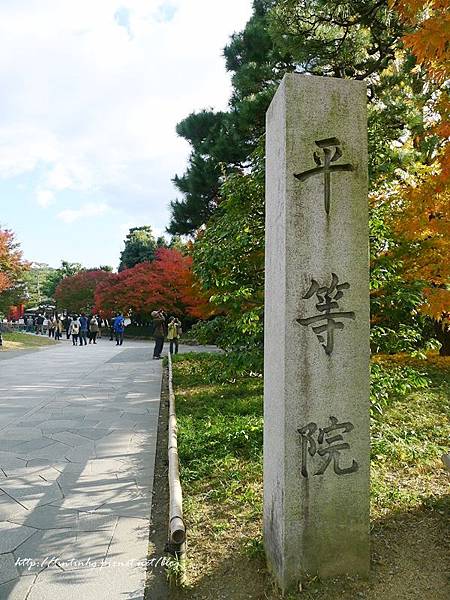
x,y
173,334
119,328
51,326
83,329
74,331
39,324
111,328
159,321
67,322
29,324
93,330
58,328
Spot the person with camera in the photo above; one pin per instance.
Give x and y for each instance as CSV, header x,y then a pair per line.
x,y
173,334
119,329
159,331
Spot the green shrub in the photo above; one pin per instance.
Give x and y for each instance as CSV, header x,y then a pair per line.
x,y
388,383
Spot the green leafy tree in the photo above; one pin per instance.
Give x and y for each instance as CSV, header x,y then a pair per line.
x,y
177,243
353,39
36,281
140,246
229,261
339,38
67,269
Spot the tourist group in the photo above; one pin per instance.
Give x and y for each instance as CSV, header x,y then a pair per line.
x,y
83,329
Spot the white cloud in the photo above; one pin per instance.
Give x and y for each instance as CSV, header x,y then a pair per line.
x,y
85,211
59,178
92,91
45,198
22,144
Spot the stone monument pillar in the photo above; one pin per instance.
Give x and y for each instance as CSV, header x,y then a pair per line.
x,y
316,396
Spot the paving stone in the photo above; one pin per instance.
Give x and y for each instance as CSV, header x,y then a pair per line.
x,y
9,507
9,445
34,423
138,508
130,540
89,432
18,589
15,433
95,522
36,462
81,459
68,412
8,570
81,454
89,546
26,470
12,535
103,466
90,493
44,545
60,425
9,459
54,451
38,496
99,583
47,517
71,439
30,446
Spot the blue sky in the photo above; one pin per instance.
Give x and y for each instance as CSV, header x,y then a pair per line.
x,y
91,94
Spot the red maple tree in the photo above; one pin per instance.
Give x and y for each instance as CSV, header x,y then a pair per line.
x,y
76,293
167,282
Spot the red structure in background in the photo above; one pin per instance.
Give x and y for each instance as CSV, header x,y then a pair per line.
x,y
16,312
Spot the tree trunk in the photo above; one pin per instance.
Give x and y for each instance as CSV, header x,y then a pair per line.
x,y
443,335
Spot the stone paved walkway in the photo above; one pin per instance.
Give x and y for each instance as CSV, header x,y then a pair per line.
x,y
78,433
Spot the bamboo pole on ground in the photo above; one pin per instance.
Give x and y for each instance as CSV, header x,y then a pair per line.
x,y
177,527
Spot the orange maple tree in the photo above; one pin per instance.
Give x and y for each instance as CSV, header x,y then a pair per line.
x,y
12,264
167,282
424,215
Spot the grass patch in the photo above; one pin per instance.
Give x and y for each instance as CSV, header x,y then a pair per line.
x,y
22,341
409,439
220,420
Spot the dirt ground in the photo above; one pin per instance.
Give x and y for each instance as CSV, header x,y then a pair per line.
x,y
156,587
410,514
410,561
